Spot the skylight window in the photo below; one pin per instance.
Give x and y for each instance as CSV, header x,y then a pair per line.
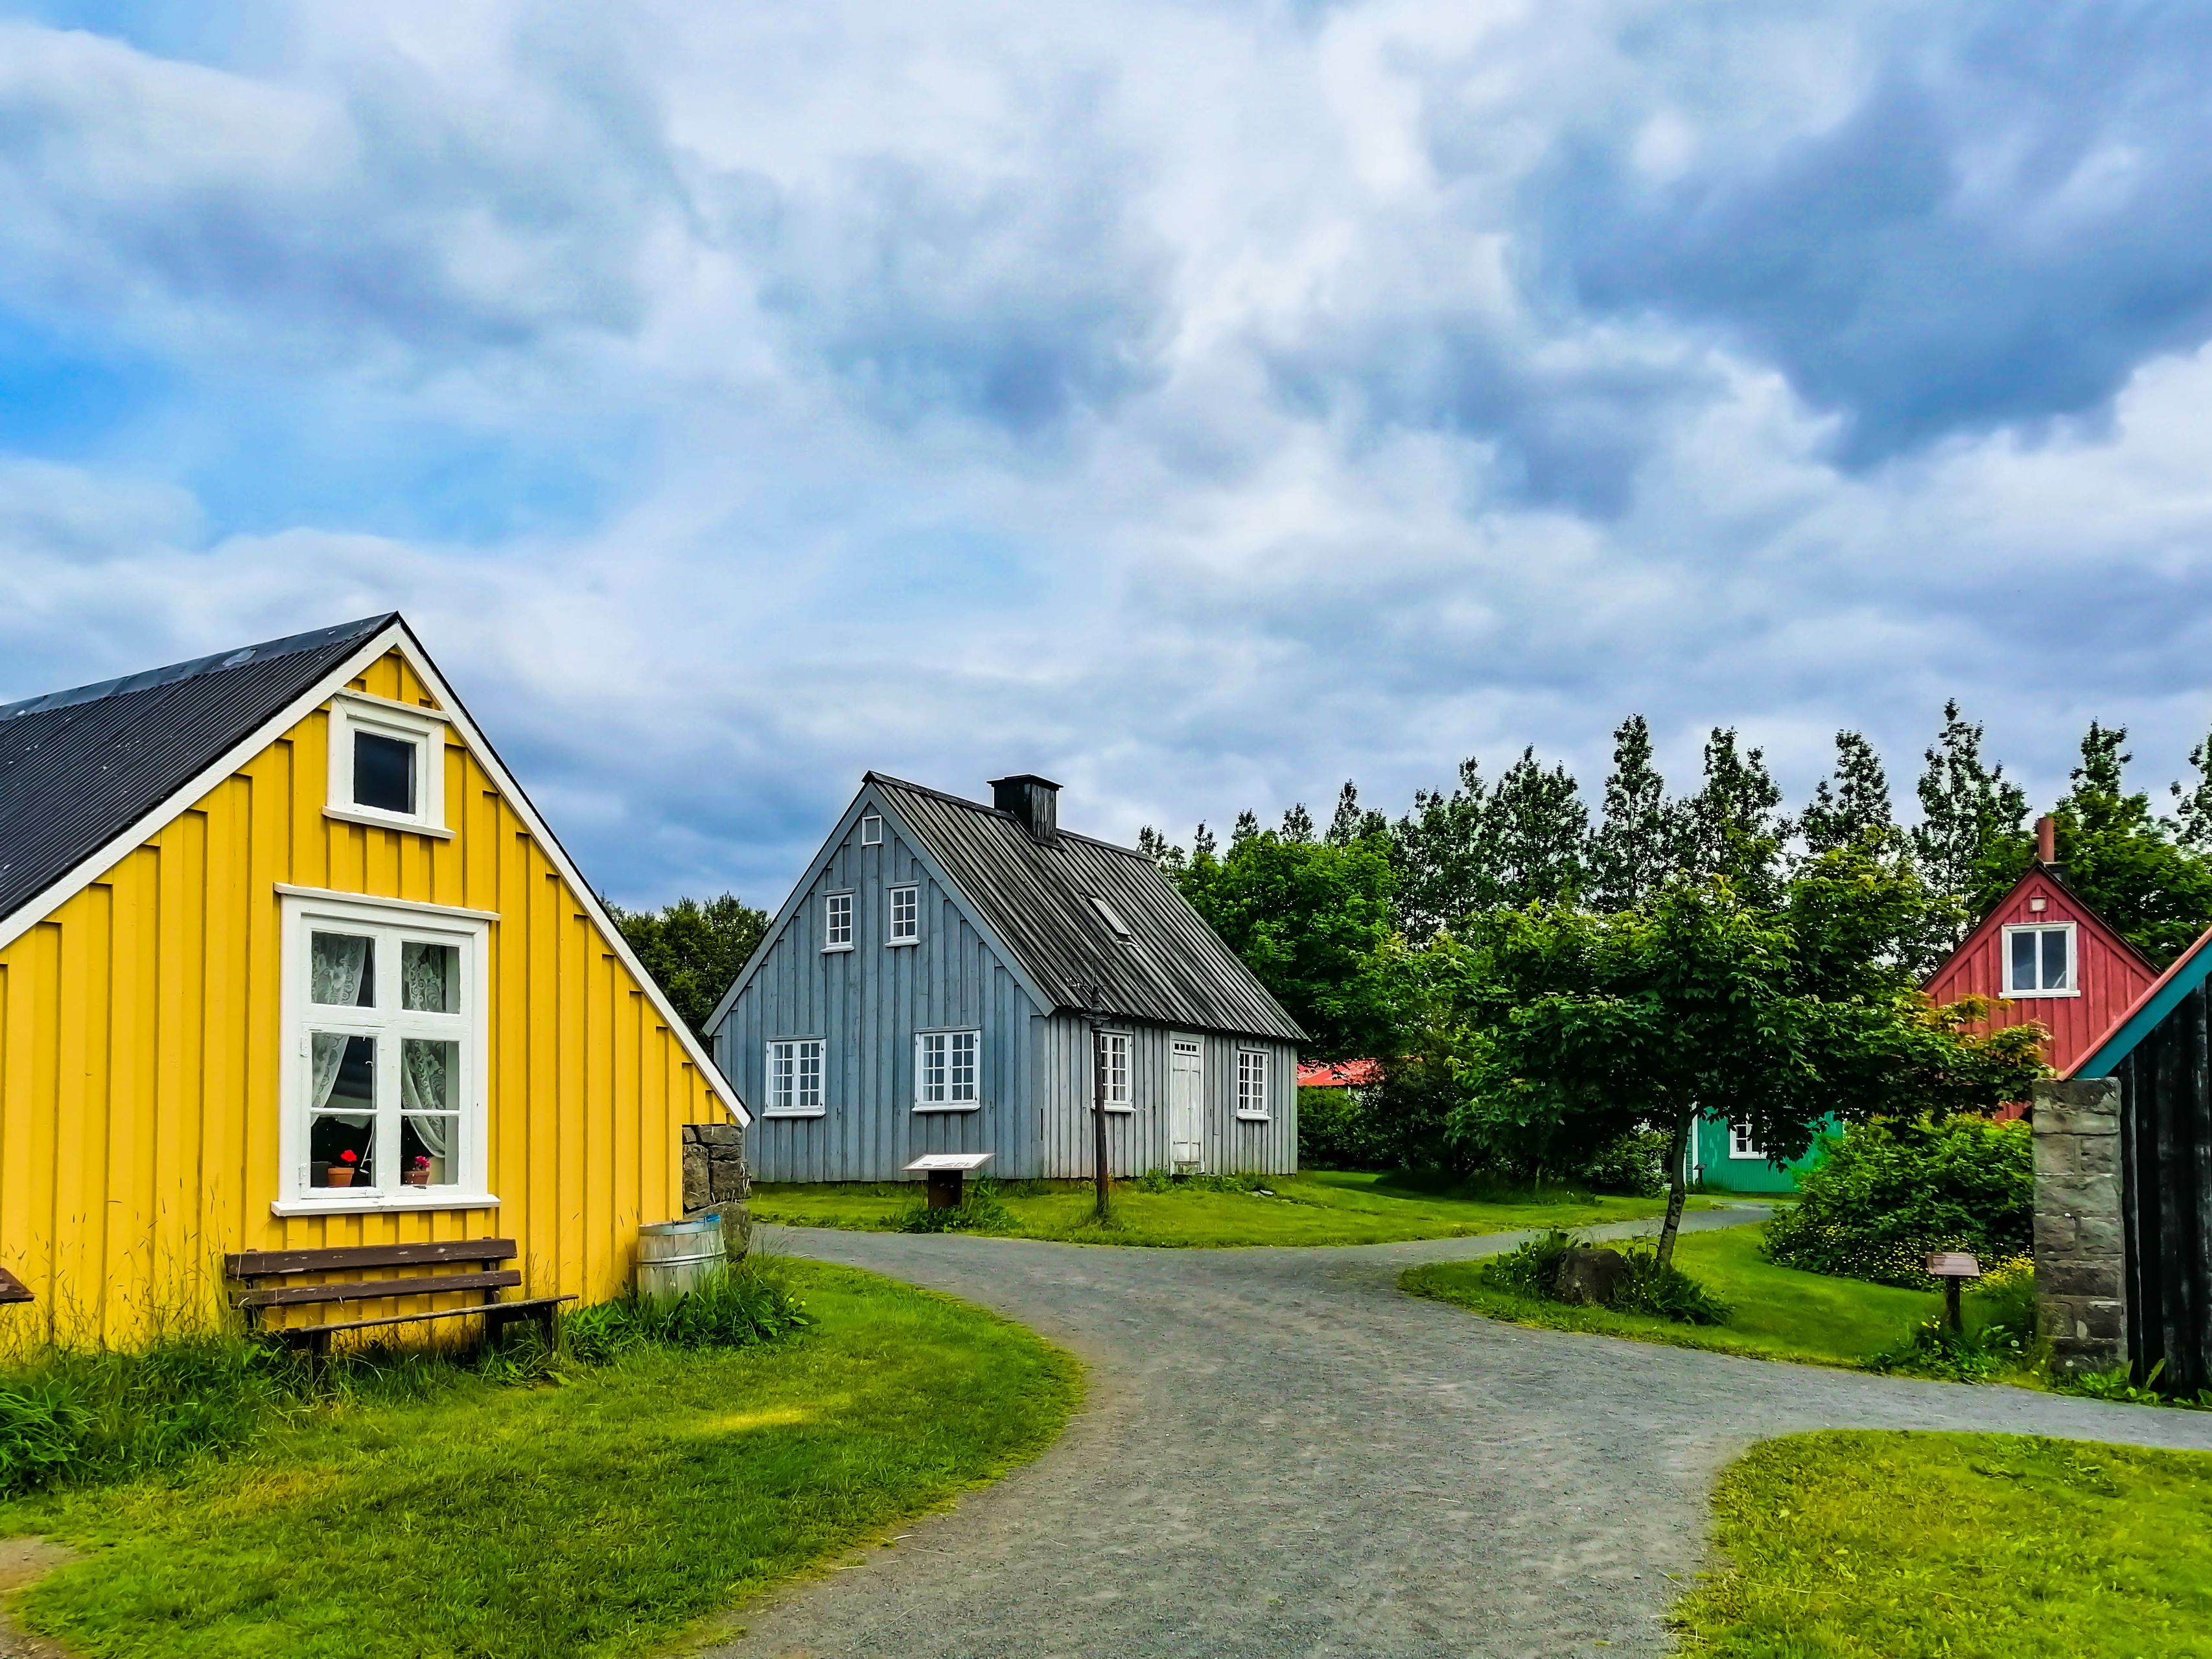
x,y
1110,916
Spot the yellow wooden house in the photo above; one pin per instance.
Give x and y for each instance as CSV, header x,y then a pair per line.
x,y
288,961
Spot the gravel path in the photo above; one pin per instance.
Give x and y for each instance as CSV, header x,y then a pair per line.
x,y
1282,1454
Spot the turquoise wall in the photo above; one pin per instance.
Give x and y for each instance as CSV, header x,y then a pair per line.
x,y
1726,1173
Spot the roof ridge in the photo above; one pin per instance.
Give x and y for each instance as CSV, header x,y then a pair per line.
x,y
149,679
873,776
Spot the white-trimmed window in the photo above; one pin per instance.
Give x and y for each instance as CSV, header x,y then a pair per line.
x,y
1110,1055
385,1081
794,1078
871,830
2039,961
1252,1083
906,916
947,1066
387,764
837,921
1742,1146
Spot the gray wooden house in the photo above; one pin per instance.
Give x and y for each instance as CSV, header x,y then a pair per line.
x,y
927,987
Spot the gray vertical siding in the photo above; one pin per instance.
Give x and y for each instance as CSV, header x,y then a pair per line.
x,y
1138,1141
867,1004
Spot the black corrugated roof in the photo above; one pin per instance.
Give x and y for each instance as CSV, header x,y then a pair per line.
x,y
1036,896
77,767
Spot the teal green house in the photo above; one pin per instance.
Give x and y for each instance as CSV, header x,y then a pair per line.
x,y
1722,1160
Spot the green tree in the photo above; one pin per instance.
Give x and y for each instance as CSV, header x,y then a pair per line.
x,y
1732,828
1438,851
2192,819
694,952
1855,806
1972,818
1313,921
1634,848
1535,837
1700,1003
1351,821
1298,823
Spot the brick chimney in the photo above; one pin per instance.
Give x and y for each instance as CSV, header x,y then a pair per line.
x,y
2046,840
1032,799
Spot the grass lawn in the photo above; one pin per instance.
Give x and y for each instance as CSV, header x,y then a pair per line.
x,y
1776,1313
1325,1206
609,1515
1896,1546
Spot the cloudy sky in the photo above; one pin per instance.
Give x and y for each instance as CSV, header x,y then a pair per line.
x,y
1198,403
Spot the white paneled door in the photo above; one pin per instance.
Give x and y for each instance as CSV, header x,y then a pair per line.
x,y
1186,1101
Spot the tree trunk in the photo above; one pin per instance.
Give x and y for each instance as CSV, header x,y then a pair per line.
x,y
1677,1185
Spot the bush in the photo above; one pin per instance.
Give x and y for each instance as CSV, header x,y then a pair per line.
x,y
1337,1131
1635,1164
1532,1270
978,1211
733,1307
1166,1181
1886,1193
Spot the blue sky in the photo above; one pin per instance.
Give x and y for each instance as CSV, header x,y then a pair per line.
x,y
1199,404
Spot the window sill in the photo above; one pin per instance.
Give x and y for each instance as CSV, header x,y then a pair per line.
x,y
963,1106
1255,1117
811,1112
1121,1111
380,821
382,1203
2035,996
835,950
894,944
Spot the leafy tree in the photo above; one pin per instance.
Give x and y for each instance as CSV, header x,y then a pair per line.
x,y
1351,822
1314,922
1855,807
1155,846
1535,839
1438,851
1634,847
1586,1027
1732,828
1972,818
2193,820
694,952
1298,823
1246,827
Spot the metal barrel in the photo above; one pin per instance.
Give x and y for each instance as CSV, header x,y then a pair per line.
x,y
674,1256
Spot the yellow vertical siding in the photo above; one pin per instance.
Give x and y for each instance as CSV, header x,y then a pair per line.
x,y
140,1028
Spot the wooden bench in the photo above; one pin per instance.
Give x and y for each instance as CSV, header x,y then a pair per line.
x,y
247,1267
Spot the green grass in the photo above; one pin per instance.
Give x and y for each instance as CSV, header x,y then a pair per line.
x,y
1775,1313
1900,1545
1327,1207
609,1515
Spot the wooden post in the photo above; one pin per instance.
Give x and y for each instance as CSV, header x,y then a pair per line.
x,y
945,1190
1955,1268
1951,1317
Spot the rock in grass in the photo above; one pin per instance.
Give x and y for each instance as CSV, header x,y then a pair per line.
x,y
1588,1273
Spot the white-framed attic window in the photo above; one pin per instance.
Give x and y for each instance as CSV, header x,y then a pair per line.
x,y
836,921
906,916
387,764
1110,916
794,1078
1110,1055
1252,1084
948,1071
385,1086
871,830
2039,960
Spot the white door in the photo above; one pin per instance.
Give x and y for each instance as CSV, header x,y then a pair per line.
x,y
1186,1101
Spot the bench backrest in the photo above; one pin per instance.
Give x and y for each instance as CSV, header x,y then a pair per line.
x,y
278,1264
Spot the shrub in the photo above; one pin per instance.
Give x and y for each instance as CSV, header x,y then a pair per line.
x,y
1166,1181
1635,1164
1532,1270
1337,1131
979,1210
733,1307
1888,1193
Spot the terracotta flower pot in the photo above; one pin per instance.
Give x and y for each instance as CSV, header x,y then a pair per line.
x,y
416,1177
341,1174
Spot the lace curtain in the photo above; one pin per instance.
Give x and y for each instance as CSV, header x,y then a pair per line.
x,y
339,961
426,1086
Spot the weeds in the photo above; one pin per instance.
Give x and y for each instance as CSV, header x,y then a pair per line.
x,y
2120,1387
734,1307
981,1210
1533,1270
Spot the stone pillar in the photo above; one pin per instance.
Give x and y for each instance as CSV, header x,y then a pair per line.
x,y
2081,1271
715,1178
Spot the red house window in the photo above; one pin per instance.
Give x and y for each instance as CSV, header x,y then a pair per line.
x,y
2039,961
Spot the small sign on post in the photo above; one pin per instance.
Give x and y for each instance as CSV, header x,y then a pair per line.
x,y
946,1172
1955,1268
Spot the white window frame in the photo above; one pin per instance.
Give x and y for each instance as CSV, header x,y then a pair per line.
x,y
1742,1148
947,1082
830,911
778,1101
1111,917
872,830
891,934
1252,1084
2073,960
1116,1049
388,921
353,712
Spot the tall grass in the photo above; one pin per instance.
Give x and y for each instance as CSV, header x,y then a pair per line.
x,y
81,1416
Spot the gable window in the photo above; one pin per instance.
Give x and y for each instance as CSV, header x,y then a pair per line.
x,y
387,764
1252,1083
871,830
2039,961
906,916
385,1009
945,1068
794,1078
1111,917
1111,1056
837,921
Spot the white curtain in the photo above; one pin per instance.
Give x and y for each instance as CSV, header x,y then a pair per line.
x,y
426,1086
339,962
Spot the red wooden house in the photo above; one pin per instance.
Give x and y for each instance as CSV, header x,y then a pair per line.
x,y
2044,954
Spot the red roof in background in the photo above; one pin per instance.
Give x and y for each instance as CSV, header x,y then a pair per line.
x,y
1344,1074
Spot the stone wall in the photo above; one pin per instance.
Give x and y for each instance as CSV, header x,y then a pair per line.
x,y
2081,1272
714,1176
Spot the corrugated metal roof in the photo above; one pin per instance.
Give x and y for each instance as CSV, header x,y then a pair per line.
x,y
79,767
1038,897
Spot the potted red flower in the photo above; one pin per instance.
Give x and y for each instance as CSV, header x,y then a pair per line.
x,y
418,1172
340,1173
